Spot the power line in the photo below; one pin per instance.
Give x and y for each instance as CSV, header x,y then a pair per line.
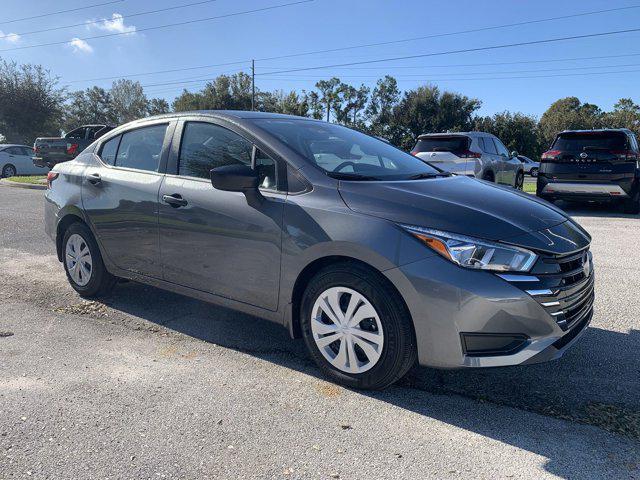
x,y
157,27
481,29
450,52
104,20
86,7
157,71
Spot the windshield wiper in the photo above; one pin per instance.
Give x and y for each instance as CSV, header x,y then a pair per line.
x,y
350,176
420,176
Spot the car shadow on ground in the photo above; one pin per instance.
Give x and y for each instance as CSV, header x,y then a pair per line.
x,y
595,383
601,210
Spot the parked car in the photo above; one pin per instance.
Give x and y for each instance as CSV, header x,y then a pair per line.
x,y
530,167
592,165
475,154
49,151
16,160
375,258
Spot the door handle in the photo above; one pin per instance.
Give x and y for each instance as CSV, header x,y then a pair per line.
x,y
175,200
94,179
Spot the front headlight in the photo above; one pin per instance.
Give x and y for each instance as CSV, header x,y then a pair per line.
x,y
474,253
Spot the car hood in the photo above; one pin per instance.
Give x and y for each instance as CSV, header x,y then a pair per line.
x,y
467,206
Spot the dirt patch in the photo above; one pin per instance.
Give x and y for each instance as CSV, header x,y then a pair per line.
x,y
85,308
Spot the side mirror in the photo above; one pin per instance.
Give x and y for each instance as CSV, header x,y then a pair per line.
x,y
238,178
234,178
514,154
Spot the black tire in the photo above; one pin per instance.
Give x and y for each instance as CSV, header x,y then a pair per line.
x,y
519,185
534,172
399,352
489,177
9,171
100,282
632,205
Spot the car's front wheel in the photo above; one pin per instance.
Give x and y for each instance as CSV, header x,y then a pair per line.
x,y
356,327
83,263
534,172
519,184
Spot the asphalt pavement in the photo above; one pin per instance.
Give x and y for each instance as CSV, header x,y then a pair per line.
x,y
149,384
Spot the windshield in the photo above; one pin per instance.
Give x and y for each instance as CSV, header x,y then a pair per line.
x,y
442,144
345,153
590,141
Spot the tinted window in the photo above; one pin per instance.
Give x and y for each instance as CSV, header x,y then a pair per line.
x,y
340,150
78,133
489,146
26,151
13,151
590,141
205,146
267,171
141,148
502,150
109,150
442,144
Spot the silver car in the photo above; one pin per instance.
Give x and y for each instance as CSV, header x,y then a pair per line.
x,y
531,167
475,154
16,160
377,259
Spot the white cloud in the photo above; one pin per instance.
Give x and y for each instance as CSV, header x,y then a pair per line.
x,y
113,25
9,37
80,46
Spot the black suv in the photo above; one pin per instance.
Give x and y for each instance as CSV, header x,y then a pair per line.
x,y
592,165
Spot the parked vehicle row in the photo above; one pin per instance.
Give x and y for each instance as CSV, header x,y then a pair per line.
x,y
376,258
474,154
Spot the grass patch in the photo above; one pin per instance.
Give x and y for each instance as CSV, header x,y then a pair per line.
x,y
32,179
530,187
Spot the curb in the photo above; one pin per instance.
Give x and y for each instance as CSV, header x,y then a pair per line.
x,y
28,186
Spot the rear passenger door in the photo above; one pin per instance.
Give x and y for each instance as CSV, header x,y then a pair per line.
x,y
120,195
212,240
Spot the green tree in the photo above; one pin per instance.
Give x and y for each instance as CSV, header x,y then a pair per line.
x,y
158,106
625,114
427,109
379,112
329,94
516,130
92,105
128,101
568,114
352,102
30,103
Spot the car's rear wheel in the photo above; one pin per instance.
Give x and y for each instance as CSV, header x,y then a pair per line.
x,y
356,327
9,171
83,263
632,205
489,177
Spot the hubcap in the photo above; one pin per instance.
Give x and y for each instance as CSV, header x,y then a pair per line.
x,y
9,172
347,330
79,261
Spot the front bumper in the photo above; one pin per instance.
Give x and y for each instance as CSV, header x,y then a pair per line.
x,y
448,302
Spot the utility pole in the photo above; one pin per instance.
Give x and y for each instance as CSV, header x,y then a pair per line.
x,y
253,85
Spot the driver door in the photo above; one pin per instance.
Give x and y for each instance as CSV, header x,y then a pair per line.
x,y
212,240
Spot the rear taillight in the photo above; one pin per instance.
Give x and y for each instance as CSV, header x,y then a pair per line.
x,y
72,148
51,176
36,149
551,154
468,154
628,155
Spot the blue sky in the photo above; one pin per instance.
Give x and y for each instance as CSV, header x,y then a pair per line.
x,y
327,24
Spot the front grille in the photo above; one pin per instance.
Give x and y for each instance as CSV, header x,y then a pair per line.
x,y
569,282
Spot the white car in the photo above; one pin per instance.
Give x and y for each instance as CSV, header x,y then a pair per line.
x,y
474,154
530,167
16,160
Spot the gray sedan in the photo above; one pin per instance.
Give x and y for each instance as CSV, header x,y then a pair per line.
x,y
376,258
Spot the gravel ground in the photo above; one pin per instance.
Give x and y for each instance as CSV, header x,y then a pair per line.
x,y
148,384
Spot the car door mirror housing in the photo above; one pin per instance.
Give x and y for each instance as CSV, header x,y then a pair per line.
x,y
514,154
234,178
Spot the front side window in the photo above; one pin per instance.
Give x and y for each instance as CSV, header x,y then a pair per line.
x,y
345,153
141,148
502,150
206,146
109,150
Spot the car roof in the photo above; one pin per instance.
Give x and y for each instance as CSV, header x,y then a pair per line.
x,y
230,114
599,130
455,134
7,145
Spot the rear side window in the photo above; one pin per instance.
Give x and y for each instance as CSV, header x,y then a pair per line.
x,y
26,151
109,150
78,133
590,141
442,144
489,146
206,146
141,148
